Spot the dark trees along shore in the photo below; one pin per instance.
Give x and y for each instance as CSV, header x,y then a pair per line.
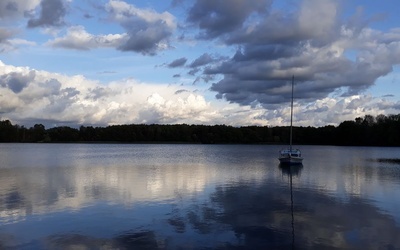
x,y
381,130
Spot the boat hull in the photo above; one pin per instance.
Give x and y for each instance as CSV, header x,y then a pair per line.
x,y
290,156
291,160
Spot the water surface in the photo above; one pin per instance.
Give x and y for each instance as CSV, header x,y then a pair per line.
x,y
113,196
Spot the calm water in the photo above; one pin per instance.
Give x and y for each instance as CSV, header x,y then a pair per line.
x,y
82,196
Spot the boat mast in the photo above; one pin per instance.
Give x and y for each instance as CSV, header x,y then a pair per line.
x,y
291,116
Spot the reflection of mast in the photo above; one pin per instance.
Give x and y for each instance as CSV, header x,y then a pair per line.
x,y
291,208
291,170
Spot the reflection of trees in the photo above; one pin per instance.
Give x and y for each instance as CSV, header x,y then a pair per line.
x,y
261,218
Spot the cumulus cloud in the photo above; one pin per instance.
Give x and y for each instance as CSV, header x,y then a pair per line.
x,y
78,38
274,46
160,110
16,81
74,99
326,53
148,31
59,99
51,14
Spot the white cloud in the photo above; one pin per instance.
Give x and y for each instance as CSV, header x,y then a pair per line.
x,y
124,12
332,111
49,96
40,95
78,38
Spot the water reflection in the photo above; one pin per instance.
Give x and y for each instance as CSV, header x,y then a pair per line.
x,y
127,240
290,171
223,202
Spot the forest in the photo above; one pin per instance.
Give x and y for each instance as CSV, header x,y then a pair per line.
x,y
382,130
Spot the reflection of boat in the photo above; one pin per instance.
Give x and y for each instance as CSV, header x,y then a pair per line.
x,y
291,170
290,156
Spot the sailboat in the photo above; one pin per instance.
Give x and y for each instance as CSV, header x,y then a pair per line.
x,y
290,155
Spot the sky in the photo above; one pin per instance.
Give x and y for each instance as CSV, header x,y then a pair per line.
x,y
105,62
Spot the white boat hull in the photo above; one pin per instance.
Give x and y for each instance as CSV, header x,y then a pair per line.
x,y
291,160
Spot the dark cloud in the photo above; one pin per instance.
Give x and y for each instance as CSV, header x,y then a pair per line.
x,y
203,64
202,60
12,6
143,38
180,62
203,78
217,17
87,16
248,79
176,76
277,45
148,31
10,9
181,91
51,14
194,71
15,81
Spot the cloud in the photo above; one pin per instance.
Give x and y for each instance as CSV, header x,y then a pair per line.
x,y
51,14
266,47
276,45
5,34
77,38
160,110
148,31
13,9
5,42
31,95
202,60
74,99
16,81
216,18
177,63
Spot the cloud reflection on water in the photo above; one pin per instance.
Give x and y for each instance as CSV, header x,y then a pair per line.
x,y
229,205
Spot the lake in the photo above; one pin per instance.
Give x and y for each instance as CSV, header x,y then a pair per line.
x,y
139,196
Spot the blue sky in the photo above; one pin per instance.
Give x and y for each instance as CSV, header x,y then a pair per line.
x,y
70,62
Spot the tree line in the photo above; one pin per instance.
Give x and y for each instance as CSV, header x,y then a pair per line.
x,y
381,130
